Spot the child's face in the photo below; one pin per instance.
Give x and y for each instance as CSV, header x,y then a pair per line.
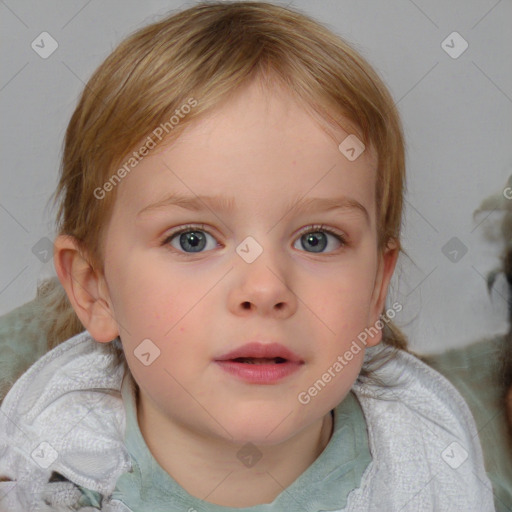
x,y
268,155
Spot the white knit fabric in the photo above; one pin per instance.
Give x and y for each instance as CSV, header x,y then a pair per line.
x,y
66,415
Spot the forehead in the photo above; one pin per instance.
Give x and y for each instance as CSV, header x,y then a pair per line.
x,y
260,147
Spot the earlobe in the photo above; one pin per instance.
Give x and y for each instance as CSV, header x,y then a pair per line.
x,y
387,264
86,289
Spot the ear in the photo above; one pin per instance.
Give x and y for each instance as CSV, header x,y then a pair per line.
x,y
387,263
86,289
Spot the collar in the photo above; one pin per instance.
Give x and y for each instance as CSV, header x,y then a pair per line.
x,y
324,485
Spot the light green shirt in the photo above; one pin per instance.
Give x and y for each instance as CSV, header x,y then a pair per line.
x,y
472,369
323,486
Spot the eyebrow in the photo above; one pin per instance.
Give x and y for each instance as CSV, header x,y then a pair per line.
x,y
228,204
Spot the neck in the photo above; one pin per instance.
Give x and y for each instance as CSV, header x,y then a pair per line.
x,y
211,470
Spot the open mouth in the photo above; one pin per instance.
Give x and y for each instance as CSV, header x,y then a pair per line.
x,y
259,360
258,363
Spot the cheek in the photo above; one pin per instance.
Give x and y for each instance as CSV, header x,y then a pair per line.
x,y
345,298
159,304
147,300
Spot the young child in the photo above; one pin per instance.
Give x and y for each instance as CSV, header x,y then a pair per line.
x,y
230,211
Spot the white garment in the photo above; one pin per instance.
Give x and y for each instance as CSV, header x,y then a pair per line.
x,y
65,414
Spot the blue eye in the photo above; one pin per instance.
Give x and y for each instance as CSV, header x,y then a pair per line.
x,y
316,238
193,239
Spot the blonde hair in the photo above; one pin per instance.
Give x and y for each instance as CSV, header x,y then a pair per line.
x,y
207,52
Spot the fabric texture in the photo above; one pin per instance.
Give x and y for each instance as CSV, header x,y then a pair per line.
x,y
323,486
475,371
66,416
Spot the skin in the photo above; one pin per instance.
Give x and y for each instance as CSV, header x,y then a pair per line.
x,y
266,151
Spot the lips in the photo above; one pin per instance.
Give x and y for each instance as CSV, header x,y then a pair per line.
x,y
258,363
259,353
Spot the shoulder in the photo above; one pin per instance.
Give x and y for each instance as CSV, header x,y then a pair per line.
x,y
65,415
422,436
476,371
397,375
78,364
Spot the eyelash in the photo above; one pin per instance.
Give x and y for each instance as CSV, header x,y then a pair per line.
x,y
201,227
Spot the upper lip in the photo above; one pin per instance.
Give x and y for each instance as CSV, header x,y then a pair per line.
x,y
261,350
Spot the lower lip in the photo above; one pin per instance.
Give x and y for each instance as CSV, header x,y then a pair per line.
x,y
259,373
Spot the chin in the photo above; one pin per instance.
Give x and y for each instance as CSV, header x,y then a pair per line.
x,y
264,428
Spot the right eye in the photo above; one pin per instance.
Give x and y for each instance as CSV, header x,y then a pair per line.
x,y
189,239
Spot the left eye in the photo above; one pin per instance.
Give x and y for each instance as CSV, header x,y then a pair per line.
x,y
316,238
193,239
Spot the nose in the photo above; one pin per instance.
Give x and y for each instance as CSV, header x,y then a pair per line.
x,y
263,288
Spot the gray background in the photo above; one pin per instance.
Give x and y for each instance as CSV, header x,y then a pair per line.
x,y
456,114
